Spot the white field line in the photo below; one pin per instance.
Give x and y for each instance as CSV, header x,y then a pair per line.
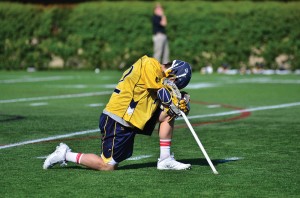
x,y
244,110
190,117
201,85
96,105
56,97
267,80
38,104
261,80
41,79
139,157
49,138
244,81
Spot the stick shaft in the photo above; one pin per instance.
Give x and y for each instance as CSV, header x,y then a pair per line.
x,y
199,143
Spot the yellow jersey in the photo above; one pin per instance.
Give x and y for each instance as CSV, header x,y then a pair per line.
x,y
134,99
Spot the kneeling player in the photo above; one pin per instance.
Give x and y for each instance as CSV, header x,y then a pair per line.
x,y
148,92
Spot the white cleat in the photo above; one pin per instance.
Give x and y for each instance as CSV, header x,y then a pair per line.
x,y
58,156
171,164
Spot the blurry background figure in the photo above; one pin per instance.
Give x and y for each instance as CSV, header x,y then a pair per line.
x,y
223,68
160,40
208,69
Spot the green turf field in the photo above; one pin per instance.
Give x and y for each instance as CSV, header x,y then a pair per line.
x,y
249,126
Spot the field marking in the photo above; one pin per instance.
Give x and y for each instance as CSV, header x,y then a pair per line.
x,y
56,97
139,157
213,106
244,110
201,85
268,81
42,157
260,80
38,104
49,138
190,117
265,80
196,86
40,79
96,105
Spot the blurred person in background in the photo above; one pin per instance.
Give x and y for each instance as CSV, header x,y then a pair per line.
x,y
160,40
147,93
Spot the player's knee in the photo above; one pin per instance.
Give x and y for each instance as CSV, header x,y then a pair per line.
x,y
104,166
107,167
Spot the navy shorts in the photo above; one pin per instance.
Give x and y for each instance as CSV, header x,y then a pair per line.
x,y
117,140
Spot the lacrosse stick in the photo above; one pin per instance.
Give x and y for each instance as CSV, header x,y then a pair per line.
x,y
199,143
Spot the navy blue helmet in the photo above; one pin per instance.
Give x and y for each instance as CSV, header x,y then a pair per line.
x,y
182,72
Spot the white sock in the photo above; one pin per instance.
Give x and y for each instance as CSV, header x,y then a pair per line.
x,y
165,147
74,157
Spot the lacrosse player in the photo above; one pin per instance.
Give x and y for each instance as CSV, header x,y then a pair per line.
x,y
147,93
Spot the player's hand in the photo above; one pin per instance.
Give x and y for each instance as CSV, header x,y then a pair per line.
x,y
184,103
184,106
173,111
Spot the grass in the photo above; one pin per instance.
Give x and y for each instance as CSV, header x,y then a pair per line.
x,y
266,141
